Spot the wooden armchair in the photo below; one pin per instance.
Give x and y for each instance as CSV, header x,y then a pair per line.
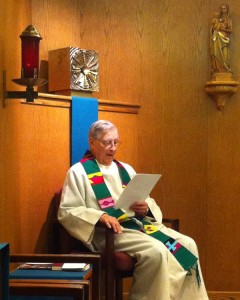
x,y
117,265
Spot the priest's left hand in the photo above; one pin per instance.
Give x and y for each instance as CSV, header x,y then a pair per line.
x,y
140,208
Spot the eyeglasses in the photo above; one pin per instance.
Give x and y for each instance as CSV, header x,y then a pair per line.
x,y
109,143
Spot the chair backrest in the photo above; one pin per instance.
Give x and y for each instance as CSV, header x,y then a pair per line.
x,y
63,241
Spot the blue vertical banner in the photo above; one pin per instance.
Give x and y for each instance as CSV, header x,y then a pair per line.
x,y
84,111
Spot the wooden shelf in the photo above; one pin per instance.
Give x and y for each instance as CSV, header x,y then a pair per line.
x,y
65,102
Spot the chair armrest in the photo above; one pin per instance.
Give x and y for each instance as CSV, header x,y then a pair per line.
x,y
174,223
53,258
108,260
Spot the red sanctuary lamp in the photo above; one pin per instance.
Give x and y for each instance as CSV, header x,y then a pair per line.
x,y
30,39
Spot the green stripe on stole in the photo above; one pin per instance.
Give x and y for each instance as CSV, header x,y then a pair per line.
x,y
186,259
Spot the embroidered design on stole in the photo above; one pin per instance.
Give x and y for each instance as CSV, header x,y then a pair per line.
x,y
187,260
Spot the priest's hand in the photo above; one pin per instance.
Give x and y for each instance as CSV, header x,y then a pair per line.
x,y
111,222
140,208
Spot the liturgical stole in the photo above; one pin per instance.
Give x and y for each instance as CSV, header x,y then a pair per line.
x,y
186,259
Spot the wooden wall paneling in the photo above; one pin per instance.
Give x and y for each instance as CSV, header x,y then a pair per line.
x,y
58,25
224,295
11,28
223,193
44,152
119,54
9,190
40,158
118,57
222,247
176,140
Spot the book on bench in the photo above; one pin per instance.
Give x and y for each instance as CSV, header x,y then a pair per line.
x,y
75,267
80,267
35,266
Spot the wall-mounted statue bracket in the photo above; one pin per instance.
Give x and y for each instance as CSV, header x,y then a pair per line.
x,y
220,90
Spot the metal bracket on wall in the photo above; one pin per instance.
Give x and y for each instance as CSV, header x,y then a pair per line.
x,y
29,95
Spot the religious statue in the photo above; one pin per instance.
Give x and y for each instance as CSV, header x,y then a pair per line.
x,y
220,30
222,85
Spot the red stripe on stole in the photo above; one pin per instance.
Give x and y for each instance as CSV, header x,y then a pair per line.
x,y
97,180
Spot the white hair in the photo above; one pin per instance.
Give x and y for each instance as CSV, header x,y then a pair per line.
x,y
98,127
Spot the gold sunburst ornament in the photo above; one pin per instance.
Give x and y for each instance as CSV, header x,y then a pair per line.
x,y
84,70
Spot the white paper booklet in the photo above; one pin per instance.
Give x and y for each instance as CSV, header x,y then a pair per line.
x,y
75,267
138,188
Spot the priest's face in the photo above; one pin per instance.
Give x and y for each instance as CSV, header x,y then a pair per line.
x,y
104,148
